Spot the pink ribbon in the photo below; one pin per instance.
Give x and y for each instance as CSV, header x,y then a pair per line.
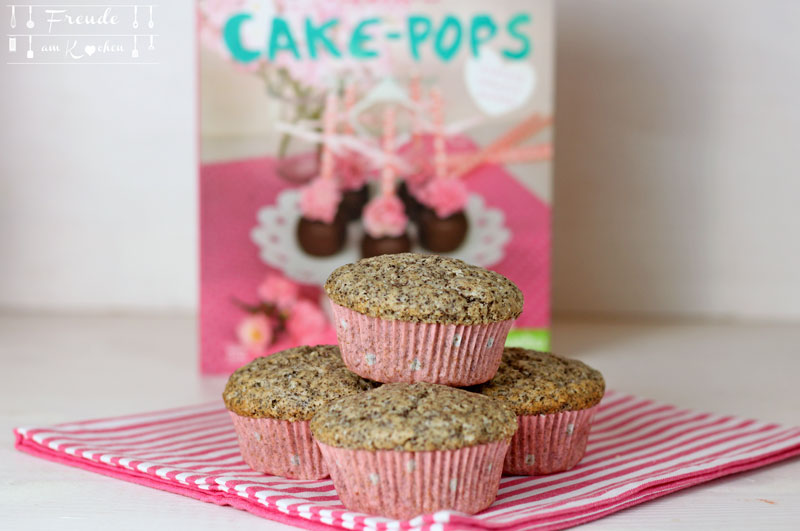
x,y
505,150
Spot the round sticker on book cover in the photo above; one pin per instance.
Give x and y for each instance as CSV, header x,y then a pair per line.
x,y
498,86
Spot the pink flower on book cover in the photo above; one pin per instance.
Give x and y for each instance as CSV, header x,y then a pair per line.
x,y
385,216
281,318
278,290
445,196
255,333
319,200
306,322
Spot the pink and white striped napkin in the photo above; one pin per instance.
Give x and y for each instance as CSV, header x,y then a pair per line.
x,y
638,450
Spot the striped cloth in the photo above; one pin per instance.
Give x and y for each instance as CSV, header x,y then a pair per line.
x,y
638,450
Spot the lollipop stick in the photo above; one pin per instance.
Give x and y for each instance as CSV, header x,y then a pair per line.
x,y
527,128
439,147
387,175
328,129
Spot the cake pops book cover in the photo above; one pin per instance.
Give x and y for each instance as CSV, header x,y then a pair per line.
x,y
332,130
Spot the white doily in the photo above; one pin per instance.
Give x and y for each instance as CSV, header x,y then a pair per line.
x,y
276,237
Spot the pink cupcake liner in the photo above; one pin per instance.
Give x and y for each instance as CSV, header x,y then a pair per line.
x,y
279,447
402,485
400,351
544,444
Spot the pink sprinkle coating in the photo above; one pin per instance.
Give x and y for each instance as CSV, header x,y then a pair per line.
x,y
444,196
399,351
319,200
544,444
403,484
279,447
385,215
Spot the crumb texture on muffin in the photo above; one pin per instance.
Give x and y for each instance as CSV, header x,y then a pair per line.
x,y
413,417
292,384
425,289
538,383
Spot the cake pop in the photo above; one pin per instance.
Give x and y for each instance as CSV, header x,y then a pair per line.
x,y
385,220
442,224
352,168
321,229
421,171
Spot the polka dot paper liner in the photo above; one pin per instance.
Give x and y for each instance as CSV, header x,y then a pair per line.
x,y
279,447
398,351
544,444
404,484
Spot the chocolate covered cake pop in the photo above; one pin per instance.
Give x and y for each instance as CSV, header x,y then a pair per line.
x,y
385,224
352,168
422,169
321,230
442,222
385,220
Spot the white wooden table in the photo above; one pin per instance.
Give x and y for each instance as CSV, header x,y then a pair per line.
x,y
57,369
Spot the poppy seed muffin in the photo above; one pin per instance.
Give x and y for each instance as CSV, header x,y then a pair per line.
x,y
292,384
413,417
555,400
406,449
271,400
537,383
422,318
424,288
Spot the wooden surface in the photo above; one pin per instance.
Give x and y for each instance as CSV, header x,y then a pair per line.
x,y
57,369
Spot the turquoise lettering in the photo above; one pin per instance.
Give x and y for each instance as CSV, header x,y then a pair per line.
x,y
231,34
316,34
280,38
481,31
419,29
525,48
360,38
446,52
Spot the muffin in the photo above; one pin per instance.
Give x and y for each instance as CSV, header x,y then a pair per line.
x,y
271,400
408,449
422,318
555,400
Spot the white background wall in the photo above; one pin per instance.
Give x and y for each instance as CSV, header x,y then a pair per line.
x,y
677,181
98,178
677,173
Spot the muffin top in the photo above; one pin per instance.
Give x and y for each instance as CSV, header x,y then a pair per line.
x,y
424,289
292,384
538,383
413,417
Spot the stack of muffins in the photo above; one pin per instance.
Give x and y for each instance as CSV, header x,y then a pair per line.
x,y
382,413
